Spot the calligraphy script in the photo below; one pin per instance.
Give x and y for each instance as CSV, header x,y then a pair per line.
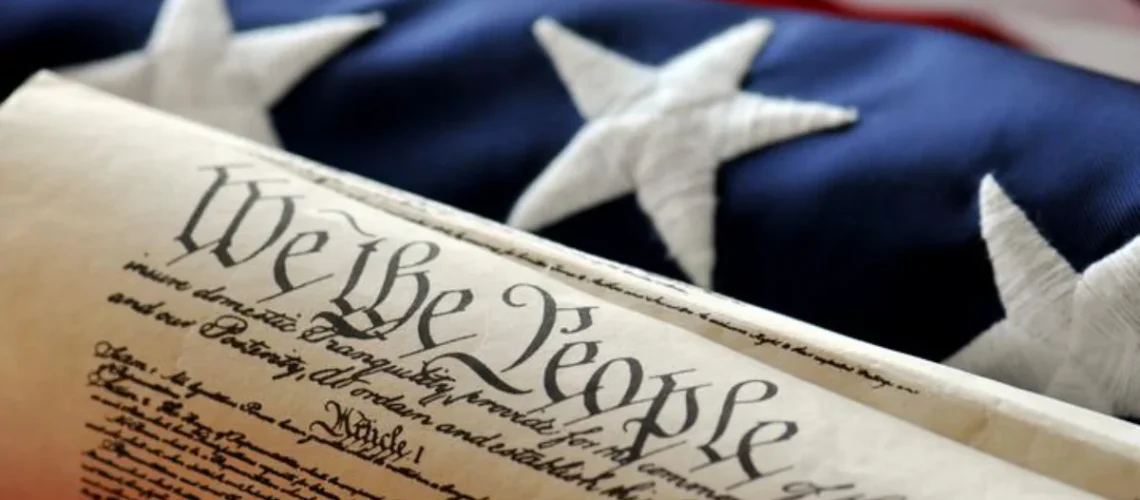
x,y
153,444
391,298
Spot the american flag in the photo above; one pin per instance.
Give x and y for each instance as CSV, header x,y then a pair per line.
x,y
952,179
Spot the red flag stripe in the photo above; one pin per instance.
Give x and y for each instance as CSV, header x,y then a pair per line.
x,y
1098,35
946,21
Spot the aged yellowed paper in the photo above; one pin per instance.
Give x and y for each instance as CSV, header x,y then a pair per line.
x,y
182,316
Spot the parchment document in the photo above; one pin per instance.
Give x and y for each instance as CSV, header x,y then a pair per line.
x,y
187,315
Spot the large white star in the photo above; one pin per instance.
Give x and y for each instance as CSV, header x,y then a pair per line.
x,y
662,133
1069,335
195,66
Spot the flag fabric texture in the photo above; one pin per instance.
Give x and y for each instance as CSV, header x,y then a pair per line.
x,y
940,186
1099,35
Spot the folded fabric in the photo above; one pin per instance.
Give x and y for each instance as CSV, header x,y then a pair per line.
x,y
1100,35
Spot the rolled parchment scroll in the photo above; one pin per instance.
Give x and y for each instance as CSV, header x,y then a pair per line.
x,y
184,314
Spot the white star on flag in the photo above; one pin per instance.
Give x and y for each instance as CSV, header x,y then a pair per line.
x,y
1072,336
662,133
195,66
